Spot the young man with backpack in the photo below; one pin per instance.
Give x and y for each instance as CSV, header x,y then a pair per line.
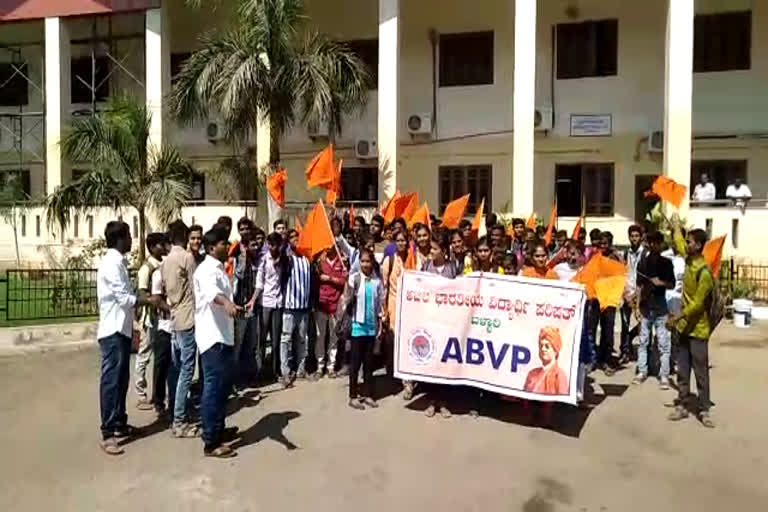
x,y
693,324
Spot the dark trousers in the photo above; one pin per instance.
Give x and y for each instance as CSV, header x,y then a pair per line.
x,y
246,356
362,352
115,373
592,319
693,352
607,322
164,373
272,323
217,364
626,333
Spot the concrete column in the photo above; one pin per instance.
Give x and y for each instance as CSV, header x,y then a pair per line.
x,y
524,106
57,100
678,91
389,96
158,72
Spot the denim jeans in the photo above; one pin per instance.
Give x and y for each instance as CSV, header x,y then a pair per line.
x,y
244,351
272,324
293,341
217,364
591,319
113,387
184,353
658,323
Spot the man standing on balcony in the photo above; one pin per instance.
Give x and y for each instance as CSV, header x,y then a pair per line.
x,y
117,300
739,193
704,189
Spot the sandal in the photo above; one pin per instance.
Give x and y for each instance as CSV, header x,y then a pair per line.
x,y
186,430
111,447
144,405
370,402
220,452
444,412
126,432
355,403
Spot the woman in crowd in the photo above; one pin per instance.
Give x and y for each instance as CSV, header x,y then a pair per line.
x,y
482,261
422,236
539,268
460,254
391,269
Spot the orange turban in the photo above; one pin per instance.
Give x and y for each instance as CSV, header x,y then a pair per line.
x,y
552,335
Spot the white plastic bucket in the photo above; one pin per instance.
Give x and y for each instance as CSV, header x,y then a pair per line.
x,y
742,313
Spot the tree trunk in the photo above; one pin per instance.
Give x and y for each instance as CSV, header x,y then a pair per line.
x,y
274,147
142,234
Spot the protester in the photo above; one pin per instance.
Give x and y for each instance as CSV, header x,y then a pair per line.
x,y
214,311
539,269
582,236
595,239
395,227
280,226
655,276
195,246
165,374
633,255
293,340
246,339
482,261
391,269
269,295
359,225
605,359
675,297
332,277
465,230
574,257
497,235
693,326
511,267
461,257
117,300
561,237
422,236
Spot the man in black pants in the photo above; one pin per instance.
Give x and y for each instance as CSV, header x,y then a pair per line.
x,y
269,294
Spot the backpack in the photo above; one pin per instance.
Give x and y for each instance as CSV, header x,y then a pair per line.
x,y
715,304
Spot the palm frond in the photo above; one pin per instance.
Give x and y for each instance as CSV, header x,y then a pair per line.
x,y
96,188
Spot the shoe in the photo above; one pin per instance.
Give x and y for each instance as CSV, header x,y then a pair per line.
x,y
370,402
444,412
343,372
706,419
678,414
429,411
331,374
639,378
318,375
301,376
220,452
125,432
185,431
286,382
408,391
229,434
355,403
664,383
609,371
144,405
624,359
111,447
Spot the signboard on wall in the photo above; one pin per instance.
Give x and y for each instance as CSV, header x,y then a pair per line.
x,y
591,125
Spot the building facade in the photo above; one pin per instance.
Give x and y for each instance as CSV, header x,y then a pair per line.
x,y
521,102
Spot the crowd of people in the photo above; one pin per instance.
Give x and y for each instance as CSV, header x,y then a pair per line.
x,y
204,301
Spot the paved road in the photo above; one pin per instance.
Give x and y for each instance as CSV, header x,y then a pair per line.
x,y
303,449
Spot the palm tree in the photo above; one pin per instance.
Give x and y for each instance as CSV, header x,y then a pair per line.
x,y
126,171
267,64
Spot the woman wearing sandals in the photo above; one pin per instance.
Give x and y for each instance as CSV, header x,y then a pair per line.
x,y
363,302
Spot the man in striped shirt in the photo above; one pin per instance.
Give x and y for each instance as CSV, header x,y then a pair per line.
x,y
296,295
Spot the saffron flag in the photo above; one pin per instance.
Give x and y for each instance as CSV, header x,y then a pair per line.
x,y
422,216
322,170
668,190
276,186
333,191
454,212
713,253
405,206
551,225
477,221
297,224
316,236
351,216
576,230
388,212
410,261
531,224
600,268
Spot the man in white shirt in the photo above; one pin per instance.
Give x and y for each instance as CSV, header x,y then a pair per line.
x,y
738,192
214,334
117,300
704,189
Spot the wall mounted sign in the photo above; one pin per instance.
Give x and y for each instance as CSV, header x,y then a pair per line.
x,y
591,125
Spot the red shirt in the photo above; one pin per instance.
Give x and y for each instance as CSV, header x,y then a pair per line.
x,y
330,292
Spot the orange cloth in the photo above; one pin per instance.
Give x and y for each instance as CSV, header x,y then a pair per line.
x,y
531,224
333,192
551,380
713,253
351,216
551,225
410,261
388,212
322,170
421,215
546,273
276,186
391,269
297,224
405,206
316,235
610,290
229,266
454,212
599,267
477,221
576,229
668,190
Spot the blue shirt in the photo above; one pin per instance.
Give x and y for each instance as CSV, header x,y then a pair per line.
x,y
369,327
297,288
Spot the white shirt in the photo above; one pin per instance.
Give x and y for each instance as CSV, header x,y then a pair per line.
x,y
675,295
741,192
212,323
163,319
704,192
116,295
564,271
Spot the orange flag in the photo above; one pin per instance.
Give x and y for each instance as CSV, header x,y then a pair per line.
x,y
603,270
405,206
454,212
316,235
322,170
610,290
668,190
410,261
551,225
297,224
276,186
333,191
478,220
421,215
351,216
388,212
576,230
531,224
713,253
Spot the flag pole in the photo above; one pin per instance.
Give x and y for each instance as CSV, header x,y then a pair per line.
x,y
332,235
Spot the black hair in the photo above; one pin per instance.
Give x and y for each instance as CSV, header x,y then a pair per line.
x,y
561,232
196,227
490,219
225,221
583,231
274,238
403,232
244,220
607,235
379,219
518,222
578,244
290,233
178,232
655,236
278,222
336,220
419,225
635,228
401,221
595,234
465,223
455,232
483,240
154,239
699,236
213,237
443,241
541,244
115,231
360,219
257,231
364,251
364,238
497,227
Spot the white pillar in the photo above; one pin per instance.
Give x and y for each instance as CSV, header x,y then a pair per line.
x,y
678,91
57,100
158,72
389,96
524,106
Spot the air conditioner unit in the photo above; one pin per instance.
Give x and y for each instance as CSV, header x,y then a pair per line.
x,y
366,148
214,130
318,131
542,119
656,141
420,124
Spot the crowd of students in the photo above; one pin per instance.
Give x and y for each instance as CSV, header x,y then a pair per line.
x,y
203,300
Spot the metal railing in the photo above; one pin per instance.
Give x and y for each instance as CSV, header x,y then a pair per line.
x,y
756,276
34,294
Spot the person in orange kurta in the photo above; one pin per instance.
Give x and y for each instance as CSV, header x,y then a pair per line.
x,y
391,268
549,378
540,269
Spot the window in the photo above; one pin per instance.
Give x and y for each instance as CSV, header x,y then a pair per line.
x,y
21,176
722,42
459,180
198,187
720,172
359,183
587,49
177,61
466,59
590,183
81,79
14,87
368,51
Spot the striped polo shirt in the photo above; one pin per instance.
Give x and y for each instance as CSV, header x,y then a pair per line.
x,y
297,288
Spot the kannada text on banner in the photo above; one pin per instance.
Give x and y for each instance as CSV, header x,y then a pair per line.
x,y
511,335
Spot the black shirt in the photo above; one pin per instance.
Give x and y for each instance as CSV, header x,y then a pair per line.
x,y
653,298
